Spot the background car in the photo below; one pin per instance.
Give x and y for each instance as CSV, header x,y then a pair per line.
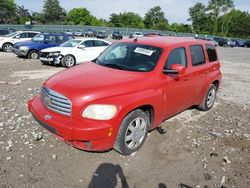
x,y
78,33
69,32
74,51
101,35
135,34
90,33
152,34
239,42
224,41
6,31
247,44
7,41
116,35
31,49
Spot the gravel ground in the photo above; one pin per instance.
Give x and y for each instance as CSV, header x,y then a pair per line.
x,y
200,149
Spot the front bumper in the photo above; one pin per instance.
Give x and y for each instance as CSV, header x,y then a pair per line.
x,y
84,134
46,58
19,52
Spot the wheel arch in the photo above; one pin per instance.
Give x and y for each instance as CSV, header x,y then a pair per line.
x,y
148,109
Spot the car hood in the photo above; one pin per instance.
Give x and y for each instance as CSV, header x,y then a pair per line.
x,y
90,81
56,49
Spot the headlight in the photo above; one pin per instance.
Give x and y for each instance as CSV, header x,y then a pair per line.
x,y
23,48
99,112
54,53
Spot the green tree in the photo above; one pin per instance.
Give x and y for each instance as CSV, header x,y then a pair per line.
x,y
201,20
238,24
183,28
218,8
53,12
81,16
7,11
23,15
126,19
155,19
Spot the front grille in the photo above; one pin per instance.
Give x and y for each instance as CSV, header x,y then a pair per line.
x,y
56,102
44,54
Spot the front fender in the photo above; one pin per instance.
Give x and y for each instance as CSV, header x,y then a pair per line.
x,y
130,101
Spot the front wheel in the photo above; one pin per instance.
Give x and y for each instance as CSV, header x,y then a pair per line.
x,y
68,61
209,100
132,132
7,47
33,54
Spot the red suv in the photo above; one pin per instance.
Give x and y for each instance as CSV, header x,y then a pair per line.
x,y
131,88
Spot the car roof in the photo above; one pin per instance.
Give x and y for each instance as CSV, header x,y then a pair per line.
x,y
89,38
27,31
163,42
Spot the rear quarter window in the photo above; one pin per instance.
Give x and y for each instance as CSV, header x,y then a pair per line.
x,y
197,55
211,52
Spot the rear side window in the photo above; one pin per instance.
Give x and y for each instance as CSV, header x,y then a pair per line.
x,y
31,35
100,43
88,43
212,56
197,55
176,56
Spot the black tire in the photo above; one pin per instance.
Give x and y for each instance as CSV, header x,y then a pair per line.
x,y
139,132
209,99
68,61
7,47
33,54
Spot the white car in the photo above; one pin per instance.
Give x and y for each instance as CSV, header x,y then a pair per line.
x,y
136,34
7,41
74,51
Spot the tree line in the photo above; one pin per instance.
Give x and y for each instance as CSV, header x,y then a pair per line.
x,y
218,17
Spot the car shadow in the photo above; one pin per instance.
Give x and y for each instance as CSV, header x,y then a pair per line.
x,y
111,176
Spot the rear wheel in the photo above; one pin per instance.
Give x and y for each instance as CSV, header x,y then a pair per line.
x,y
68,61
7,47
33,54
132,132
209,100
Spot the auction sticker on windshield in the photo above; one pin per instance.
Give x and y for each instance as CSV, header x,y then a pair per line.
x,y
143,51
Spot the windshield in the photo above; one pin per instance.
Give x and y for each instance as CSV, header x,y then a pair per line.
x,y
130,57
70,43
11,34
38,38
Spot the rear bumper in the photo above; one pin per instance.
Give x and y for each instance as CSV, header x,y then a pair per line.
x,y
88,135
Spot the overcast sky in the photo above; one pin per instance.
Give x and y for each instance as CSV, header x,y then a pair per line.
x,y
175,10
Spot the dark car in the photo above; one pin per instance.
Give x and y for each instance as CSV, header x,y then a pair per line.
x,y
116,35
101,35
151,34
224,41
90,33
239,42
31,49
6,31
247,44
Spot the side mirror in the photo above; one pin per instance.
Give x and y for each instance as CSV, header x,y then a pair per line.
x,y
46,41
175,69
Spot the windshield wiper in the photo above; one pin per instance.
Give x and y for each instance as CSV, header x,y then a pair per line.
x,y
122,67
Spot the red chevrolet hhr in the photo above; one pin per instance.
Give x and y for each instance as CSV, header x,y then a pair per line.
x,y
131,88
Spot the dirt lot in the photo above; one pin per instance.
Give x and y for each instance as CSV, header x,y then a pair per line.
x,y
200,149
